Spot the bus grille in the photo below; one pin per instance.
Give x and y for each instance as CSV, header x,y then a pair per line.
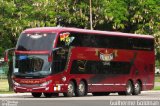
x,y
31,85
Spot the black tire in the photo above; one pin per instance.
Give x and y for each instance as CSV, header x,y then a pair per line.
x,y
81,89
121,93
48,95
71,90
129,89
100,93
36,95
137,88
55,94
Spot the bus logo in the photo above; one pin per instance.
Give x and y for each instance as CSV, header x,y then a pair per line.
x,y
106,56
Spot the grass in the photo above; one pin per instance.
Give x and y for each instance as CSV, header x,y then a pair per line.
x,y
157,78
4,89
156,88
4,85
6,92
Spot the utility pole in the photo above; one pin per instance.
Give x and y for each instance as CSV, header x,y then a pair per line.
x,y
90,5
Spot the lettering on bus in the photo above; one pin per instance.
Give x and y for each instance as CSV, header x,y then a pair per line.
x,y
31,81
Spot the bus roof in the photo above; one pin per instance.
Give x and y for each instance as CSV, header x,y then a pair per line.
x,y
68,29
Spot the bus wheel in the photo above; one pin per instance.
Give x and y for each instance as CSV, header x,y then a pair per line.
x,y
37,95
71,89
137,88
48,95
81,89
129,89
100,93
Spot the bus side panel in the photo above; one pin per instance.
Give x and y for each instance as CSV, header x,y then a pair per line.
x,y
144,69
142,63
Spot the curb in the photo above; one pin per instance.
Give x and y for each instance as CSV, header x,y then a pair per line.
x,y
152,91
14,94
29,94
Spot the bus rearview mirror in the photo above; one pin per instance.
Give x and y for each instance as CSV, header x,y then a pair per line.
x,y
6,54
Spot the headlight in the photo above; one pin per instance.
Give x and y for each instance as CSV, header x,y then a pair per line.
x,y
46,83
15,83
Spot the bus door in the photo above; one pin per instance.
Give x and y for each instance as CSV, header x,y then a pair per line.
x,y
60,55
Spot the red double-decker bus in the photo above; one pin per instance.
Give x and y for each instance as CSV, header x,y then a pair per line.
x,y
75,62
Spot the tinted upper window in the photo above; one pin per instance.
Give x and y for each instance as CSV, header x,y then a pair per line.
x,y
116,42
35,41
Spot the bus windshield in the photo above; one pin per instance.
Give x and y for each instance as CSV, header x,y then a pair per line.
x,y
31,66
35,41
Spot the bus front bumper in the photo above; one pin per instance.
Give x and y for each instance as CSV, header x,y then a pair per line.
x,y
57,88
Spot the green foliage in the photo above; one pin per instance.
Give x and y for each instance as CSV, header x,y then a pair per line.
x,y
132,16
157,88
158,64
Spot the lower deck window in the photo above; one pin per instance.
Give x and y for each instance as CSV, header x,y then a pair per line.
x,y
99,67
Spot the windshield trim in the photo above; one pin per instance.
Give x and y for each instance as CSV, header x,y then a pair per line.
x,y
32,52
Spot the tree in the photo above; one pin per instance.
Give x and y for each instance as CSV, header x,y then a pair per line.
x,y
18,15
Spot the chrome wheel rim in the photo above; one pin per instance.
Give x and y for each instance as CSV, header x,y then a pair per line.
x,y
70,88
129,88
81,88
137,87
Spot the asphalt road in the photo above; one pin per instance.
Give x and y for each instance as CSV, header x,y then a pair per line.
x,y
144,99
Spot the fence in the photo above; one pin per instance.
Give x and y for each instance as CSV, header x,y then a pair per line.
x,y
3,72
3,78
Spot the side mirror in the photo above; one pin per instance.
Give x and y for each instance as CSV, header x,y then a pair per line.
x,y
50,56
6,54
